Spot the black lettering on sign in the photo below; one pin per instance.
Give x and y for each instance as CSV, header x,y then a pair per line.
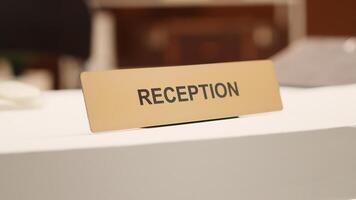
x,y
192,90
168,99
187,93
203,86
143,94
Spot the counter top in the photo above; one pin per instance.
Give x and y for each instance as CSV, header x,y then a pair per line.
x,y
61,122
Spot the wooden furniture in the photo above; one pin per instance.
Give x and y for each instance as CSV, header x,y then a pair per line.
x,y
332,18
161,33
177,36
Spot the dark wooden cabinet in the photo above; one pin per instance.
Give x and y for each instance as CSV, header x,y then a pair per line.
x,y
191,35
331,18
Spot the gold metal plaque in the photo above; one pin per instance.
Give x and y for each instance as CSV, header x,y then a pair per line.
x,y
133,98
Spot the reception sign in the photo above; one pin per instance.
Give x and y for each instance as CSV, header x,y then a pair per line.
x,y
133,98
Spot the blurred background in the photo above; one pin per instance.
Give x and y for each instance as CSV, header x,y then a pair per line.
x,y
47,43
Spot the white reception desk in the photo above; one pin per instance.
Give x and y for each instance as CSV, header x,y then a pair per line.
x,y
306,151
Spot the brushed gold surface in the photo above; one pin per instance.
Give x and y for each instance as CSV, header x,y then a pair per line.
x,y
112,100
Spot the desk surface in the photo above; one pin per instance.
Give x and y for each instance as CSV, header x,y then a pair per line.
x,y
61,122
